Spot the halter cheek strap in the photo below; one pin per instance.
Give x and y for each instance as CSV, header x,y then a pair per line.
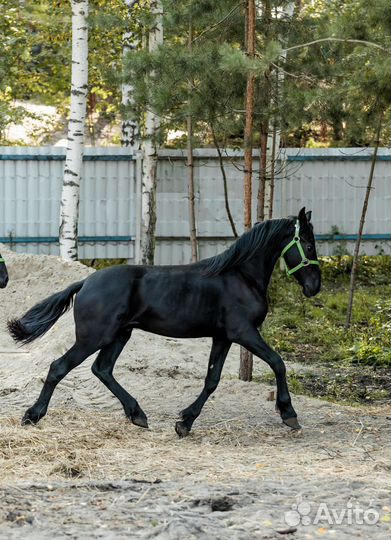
x,y
296,242
2,260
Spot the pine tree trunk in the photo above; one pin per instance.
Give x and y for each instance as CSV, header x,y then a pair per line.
x,y
270,133
190,166
248,152
130,129
246,360
149,148
69,213
275,147
353,274
262,171
190,184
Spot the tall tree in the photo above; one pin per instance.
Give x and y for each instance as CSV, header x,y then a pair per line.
x,y
190,162
183,83
69,213
353,274
149,150
130,129
246,358
265,96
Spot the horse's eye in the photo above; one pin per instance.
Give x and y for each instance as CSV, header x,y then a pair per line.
x,y
309,248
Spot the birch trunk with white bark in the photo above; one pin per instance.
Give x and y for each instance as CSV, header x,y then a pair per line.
x,y
130,129
149,150
69,213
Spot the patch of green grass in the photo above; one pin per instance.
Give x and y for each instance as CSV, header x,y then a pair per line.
x,y
345,385
373,270
313,330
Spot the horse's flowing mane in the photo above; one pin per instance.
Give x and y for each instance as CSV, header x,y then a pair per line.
x,y
259,237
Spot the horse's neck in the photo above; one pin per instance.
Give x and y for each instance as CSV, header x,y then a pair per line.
x,y
260,268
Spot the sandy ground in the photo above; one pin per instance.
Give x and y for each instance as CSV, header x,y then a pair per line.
x,y
86,472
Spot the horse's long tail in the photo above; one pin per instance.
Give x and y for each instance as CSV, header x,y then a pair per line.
x,y
41,317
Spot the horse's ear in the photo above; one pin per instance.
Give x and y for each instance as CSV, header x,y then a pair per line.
x,y
308,215
302,216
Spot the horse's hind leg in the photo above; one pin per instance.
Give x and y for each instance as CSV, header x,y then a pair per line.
x,y
58,370
217,358
103,369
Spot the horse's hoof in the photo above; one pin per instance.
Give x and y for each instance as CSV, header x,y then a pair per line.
x,y
30,418
181,429
140,420
292,423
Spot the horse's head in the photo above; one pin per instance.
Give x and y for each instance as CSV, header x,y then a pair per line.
x,y
3,273
299,254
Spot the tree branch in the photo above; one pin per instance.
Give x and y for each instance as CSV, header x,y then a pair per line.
x,y
343,40
213,26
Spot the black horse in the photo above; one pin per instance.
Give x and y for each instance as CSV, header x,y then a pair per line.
x,y
3,273
223,297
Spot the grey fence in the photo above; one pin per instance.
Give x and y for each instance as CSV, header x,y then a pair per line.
x,y
331,182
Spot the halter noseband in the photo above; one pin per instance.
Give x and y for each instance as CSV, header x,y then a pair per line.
x,y
296,242
1,259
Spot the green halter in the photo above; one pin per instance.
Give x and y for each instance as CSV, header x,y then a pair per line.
x,y
296,242
2,260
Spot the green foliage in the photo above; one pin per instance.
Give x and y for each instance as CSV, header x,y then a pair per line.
x,y
35,42
200,70
339,89
372,270
332,93
374,345
14,52
312,330
331,362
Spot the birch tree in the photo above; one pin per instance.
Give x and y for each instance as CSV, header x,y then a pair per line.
x,y
130,129
69,213
149,150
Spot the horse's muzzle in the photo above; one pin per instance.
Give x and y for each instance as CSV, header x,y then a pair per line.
x,y
311,290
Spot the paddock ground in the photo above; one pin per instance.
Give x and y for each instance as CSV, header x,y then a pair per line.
x,y
86,472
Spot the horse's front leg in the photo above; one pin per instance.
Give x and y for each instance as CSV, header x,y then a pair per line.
x,y
253,342
217,358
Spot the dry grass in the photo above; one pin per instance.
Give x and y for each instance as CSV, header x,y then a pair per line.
x,y
107,446
94,447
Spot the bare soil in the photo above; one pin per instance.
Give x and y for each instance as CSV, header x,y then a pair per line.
x,y
86,472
